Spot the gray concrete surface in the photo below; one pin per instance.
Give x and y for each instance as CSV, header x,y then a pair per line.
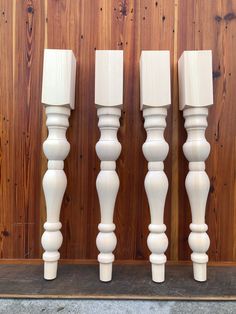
x,y
19,306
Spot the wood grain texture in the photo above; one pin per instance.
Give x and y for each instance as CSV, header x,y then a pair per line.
x,y
26,27
212,25
7,132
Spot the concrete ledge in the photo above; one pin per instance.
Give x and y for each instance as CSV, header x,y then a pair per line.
x,y
129,282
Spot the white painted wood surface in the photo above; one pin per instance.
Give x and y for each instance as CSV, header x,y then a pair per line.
x,y
196,95
195,79
108,98
109,78
58,87
155,99
59,67
155,78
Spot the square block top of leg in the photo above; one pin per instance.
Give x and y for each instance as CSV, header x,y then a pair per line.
x,y
59,70
195,79
155,79
109,78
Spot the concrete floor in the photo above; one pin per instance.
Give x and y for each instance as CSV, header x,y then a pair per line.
x,y
20,306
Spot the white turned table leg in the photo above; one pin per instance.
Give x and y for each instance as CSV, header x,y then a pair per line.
x,y
196,150
155,99
56,149
196,95
155,150
108,100
58,91
108,150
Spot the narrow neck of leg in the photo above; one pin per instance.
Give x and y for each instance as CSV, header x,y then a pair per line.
x,y
196,122
108,147
57,116
196,148
56,146
155,148
155,118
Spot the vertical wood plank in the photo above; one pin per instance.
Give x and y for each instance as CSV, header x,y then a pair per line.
x,y
129,166
223,131
7,185
27,115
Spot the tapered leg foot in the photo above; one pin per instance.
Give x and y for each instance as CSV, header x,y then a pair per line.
x,y
105,271
200,271
158,272
50,270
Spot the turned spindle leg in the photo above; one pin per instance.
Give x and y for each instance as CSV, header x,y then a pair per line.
x,y
155,99
108,150
196,150
56,149
155,150
58,90
109,99
196,95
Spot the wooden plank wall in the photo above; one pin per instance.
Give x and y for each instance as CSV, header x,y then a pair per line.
x,y
26,27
